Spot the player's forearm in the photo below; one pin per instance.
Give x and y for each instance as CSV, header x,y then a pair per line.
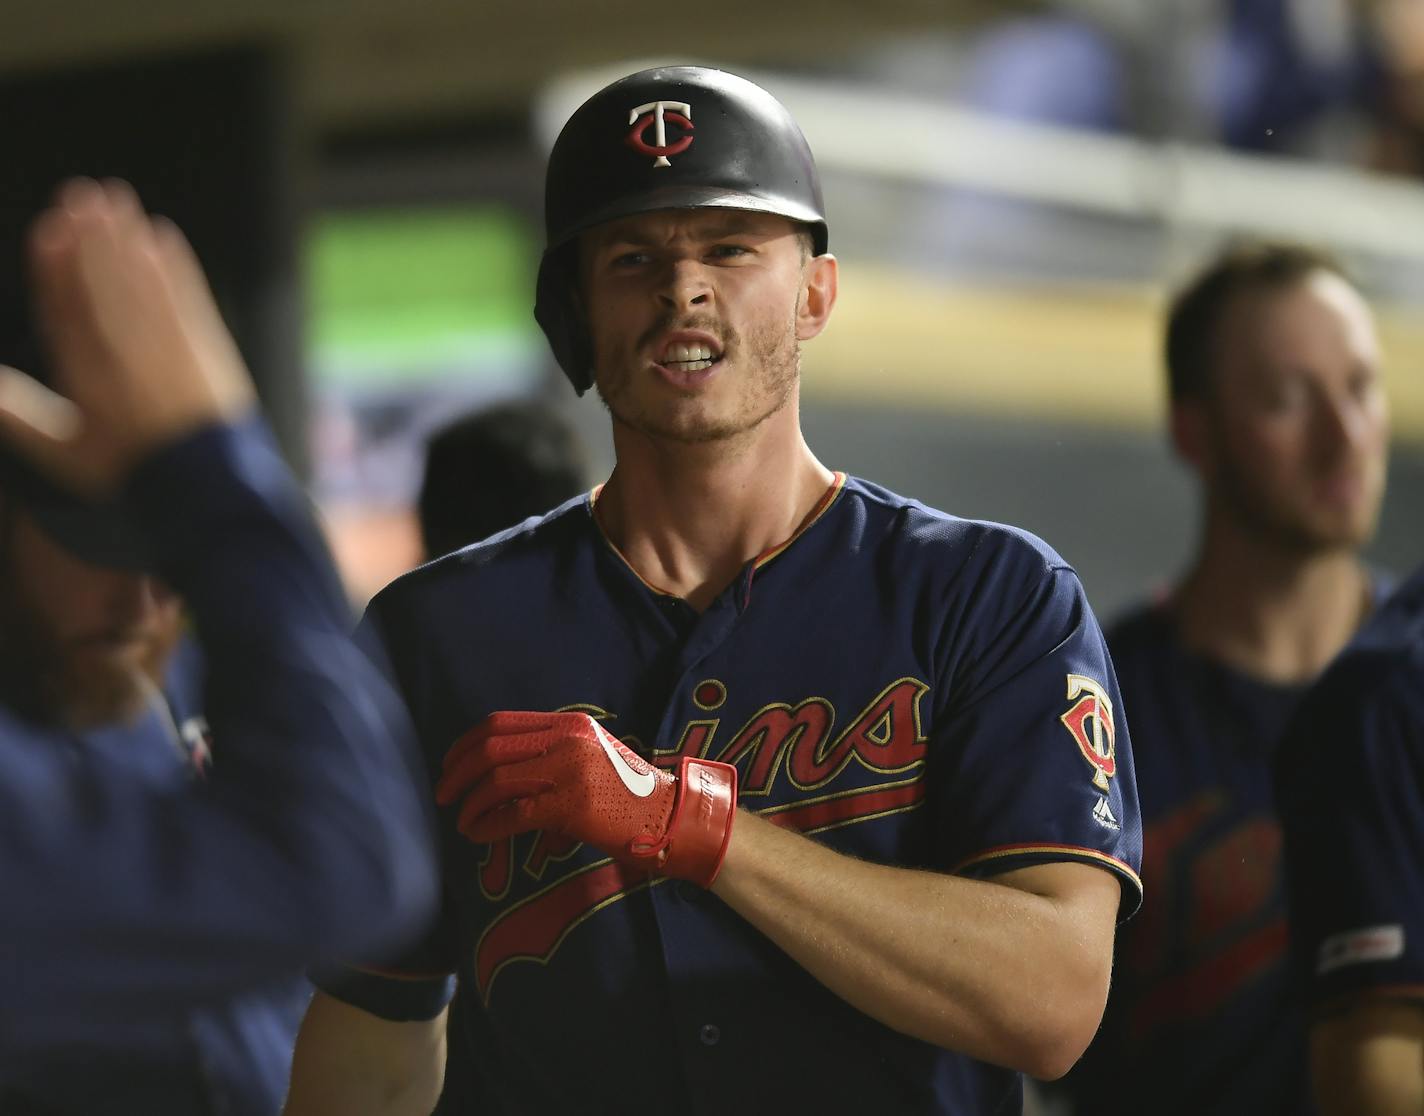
x,y
1007,976
1368,1060
348,1062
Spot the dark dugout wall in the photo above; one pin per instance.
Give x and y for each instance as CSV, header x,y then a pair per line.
x,y
207,141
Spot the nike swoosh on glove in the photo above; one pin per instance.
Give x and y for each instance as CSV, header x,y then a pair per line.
x,y
563,772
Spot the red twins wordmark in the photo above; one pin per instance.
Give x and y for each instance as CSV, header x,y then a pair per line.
x,y
886,737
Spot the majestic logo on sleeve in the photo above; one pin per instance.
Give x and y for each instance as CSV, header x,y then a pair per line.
x,y
658,115
1090,722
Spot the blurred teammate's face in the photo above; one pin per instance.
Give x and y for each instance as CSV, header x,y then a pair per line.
x,y
90,641
1295,427
696,318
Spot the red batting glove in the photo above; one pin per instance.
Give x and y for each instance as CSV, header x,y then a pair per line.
x,y
563,772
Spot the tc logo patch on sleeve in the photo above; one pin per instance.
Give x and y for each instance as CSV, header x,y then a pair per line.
x,y
1092,707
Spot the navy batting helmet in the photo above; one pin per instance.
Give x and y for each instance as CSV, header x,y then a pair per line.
x,y
676,137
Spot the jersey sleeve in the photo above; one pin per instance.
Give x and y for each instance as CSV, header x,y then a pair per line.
x,y
1033,760
130,900
1351,797
418,981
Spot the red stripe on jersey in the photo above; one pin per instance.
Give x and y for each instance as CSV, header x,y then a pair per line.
x,y
1205,986
534,928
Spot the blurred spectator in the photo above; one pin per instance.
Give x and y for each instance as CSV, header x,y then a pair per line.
x,y
1278,408
1351,780
1399,35
1279,74
495,468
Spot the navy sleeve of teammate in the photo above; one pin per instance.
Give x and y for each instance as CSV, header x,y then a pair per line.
x,y
1033,763
307,838
1351,785
418,981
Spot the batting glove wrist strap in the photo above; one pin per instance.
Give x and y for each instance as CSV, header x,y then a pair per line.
x,y
701,824
515,772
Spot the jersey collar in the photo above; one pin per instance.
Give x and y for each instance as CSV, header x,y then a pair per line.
x,y
823,505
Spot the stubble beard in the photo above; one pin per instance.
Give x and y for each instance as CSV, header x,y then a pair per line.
x,y
56,683
1285,528
771,357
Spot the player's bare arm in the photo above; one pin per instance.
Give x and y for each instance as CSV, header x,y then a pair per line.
x,y
1367,1059
351,1063
1012,971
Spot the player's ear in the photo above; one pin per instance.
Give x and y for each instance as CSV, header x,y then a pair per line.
x,y
1190,436
819,281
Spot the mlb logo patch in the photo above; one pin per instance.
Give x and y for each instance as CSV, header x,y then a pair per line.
x,y
1358,947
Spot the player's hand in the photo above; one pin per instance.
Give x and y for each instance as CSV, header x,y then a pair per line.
x,y
563,772
140,354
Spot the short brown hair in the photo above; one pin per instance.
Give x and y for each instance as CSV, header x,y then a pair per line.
x,y
1198,309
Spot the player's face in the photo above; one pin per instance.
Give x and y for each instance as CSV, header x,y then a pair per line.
x,y
89,639
696,318
1297,425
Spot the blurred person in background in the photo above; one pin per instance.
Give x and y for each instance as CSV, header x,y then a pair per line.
x,y
94,649
1398,140
495,468
160,908
1351,795
1278,407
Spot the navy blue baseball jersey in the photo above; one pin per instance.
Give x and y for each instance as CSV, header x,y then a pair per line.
x,y
233,1056
1351,783
907,687
1200,1016
157,923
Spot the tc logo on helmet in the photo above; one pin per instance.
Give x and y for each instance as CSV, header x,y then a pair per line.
x,y
658,114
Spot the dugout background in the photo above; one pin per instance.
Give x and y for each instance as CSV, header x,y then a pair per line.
x,y
1013,188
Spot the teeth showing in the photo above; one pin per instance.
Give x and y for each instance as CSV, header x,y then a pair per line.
x,y
688,358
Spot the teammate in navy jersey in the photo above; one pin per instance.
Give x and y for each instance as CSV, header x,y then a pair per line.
x,y
914,715
97,650
1277,406
159,915
1351,785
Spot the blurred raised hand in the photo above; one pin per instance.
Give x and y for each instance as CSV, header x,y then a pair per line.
x,y
139,353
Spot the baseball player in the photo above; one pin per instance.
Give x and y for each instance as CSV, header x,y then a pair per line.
x,y
1278,406
157,923
1354,864
762,787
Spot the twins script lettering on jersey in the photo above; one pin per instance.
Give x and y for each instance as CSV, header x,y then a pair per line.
x,y
789,753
